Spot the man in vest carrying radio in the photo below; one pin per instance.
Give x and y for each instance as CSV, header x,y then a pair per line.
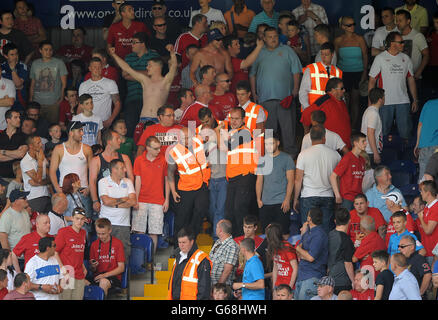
x,y
316,75
187,157
190,278
242,158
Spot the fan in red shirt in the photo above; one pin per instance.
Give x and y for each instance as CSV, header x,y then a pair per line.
x,y
428,220
28,245
70,246
240,66
77,50
223,100
107,258
338,119
203,98
68,107
370,242
350,170
166,130
197,36
362,290
108,71
120,34
361,210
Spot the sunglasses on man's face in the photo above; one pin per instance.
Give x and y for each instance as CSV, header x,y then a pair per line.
x,y
160,25
157,8
349,25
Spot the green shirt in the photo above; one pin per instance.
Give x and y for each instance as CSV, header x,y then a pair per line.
x,y
128,148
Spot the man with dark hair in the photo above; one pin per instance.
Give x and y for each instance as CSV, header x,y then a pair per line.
x,y
117,197
33,111
340,252
388,20
15,92
372,125
44,271
185,282
77,49
120,34
316,76
207,76
22,288
332,103
197,35
138,60
12,144
190,52
112,18
185,99
312,178
346,179
313,253
7,98
9,34
322,34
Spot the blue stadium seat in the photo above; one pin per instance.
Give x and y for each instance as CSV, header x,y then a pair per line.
x,y
93,293
141,253
400,178
393,141
169,220
403,172
389,155
409,192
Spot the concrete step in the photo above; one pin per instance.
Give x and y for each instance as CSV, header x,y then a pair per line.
x,y
155,290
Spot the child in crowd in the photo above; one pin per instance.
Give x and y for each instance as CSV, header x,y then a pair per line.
x,y
92,123
385,278
282,292
283,22
55,136
68,107
297,40
220,291
127,146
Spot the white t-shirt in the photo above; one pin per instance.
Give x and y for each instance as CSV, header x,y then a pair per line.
x,y
43,272
371,119
380,36
107,187
318,163
7,88
415,42
212,15
332,140
391,73
56,223
92,126
27,164
101,92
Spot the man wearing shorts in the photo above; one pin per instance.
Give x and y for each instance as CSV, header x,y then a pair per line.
x,y
150,170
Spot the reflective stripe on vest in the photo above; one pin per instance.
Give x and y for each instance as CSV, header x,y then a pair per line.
x,y
181,159
194,265
316,76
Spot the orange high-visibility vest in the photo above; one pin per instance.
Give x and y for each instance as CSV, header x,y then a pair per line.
x,y
319,79
241,160
192,168
189,281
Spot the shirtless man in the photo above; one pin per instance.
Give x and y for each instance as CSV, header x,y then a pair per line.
x,y
155,86
212,54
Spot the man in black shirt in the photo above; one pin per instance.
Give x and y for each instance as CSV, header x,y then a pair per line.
x,y
158,10
162,36
417,264
341,250
12,144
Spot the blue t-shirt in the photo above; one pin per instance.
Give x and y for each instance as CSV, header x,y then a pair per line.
x,y
315,242
394,240
253,271
374,196
23,73
274,72
262,17
429,130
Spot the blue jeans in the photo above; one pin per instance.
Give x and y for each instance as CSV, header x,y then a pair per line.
x,y
402,119
327,206
306,289
218,195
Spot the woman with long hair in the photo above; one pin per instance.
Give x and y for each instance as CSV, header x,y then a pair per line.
x,y
281,256
6,264
71,186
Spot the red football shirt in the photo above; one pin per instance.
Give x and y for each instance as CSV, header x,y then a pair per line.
x,y
284,268
354,227
337,117
65,114
368,245
366,295
71,53
107,263
186,39
121,38
28,245
258,241
239,73
350,170
152,174
220,106
191,114
410,225
430,213
70,246
166,135
3,293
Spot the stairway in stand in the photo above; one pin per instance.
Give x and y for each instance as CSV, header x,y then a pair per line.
x,y
158,290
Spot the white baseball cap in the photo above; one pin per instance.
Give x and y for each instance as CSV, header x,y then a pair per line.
x,y
394,196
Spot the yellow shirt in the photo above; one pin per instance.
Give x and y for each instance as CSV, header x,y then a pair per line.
x,y
419,18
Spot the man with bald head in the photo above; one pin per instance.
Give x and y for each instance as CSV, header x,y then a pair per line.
x,y
191,193
223,100
370,242
28,245
203,98
56,215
